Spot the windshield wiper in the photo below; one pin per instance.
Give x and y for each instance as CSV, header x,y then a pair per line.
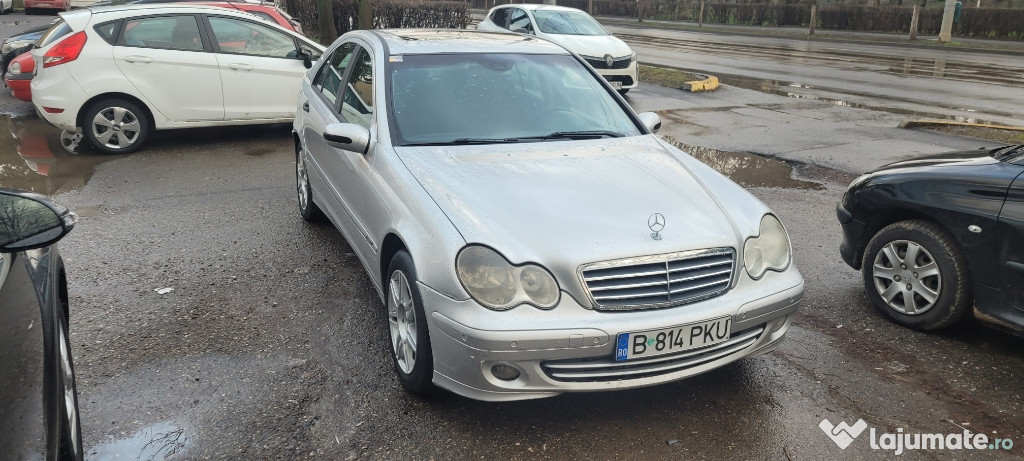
x,y
1005,151
467,141
587,134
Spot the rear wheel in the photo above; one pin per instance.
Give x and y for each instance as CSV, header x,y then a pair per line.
x,y
916,276
115,126
407,327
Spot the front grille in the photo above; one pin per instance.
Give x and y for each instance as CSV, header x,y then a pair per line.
x,y
607,369
659,281
599,63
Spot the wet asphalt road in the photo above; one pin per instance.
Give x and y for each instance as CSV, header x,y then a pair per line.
x,y
272,344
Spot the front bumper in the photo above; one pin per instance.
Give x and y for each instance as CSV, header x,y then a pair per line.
x,y
628,77
572,349
853,232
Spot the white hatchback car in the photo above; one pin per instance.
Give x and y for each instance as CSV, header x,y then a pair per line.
x,y
575,31
120,72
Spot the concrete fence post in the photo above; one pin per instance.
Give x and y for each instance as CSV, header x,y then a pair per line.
x,y
814,19
913,21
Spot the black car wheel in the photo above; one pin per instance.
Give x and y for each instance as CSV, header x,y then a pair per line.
x,y
115,126
916,276
70,426
407,327
623,91
307,208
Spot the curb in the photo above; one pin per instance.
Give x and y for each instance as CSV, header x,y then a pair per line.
x,y
710,83
928,122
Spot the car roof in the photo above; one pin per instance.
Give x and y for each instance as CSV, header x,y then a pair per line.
x,y
170,7
443,41
535,7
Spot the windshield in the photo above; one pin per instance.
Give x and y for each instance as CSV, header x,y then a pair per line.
x,y
567,23
491,98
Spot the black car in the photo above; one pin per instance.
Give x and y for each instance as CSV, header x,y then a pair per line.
x,y
38,399
941,236
15,45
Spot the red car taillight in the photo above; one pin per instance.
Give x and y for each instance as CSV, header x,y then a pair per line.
x,y
65,51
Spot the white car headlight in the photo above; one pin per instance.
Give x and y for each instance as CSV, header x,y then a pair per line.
x,y
770,250
632,57
497,284
14,69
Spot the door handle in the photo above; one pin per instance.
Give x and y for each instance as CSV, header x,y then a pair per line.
x,y
305,106
141,59
240,66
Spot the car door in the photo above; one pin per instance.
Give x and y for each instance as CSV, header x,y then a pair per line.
x,y
1011,243
260,68
320,108
519,21
350,173
165,58
22,356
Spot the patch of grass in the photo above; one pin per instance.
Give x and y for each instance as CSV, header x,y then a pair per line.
x,y
988,134
668,78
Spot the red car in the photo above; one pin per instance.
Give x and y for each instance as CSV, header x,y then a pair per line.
x,y
19,72
36,6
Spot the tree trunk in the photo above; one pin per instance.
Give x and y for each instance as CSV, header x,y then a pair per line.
x,y
814,18
366,14
325,22
913,22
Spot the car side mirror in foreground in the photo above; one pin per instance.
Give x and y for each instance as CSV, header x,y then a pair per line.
x,y
307,61
29,221
650,120
347,136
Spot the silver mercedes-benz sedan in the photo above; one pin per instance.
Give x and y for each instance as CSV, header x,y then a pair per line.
x,y
526,231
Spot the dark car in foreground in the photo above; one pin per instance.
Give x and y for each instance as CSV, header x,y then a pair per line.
x,y
941,236
38,398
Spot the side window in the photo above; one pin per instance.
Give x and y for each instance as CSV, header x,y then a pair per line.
x,y
328,79
166,32
357,104
108,30
520,20
499,17
242,37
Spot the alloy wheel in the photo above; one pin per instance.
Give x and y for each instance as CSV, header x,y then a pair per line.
x,y
302,181
116,127
69,393
402,321
907,277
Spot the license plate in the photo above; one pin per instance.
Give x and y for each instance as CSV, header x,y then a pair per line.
x,y
653,343
616,85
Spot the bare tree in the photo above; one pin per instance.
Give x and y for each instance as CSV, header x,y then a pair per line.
x,y
325,21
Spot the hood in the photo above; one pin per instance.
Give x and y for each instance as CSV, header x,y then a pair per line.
x,y
966,158
595,46
566,203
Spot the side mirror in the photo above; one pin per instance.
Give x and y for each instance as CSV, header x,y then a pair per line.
x,y
347,136
307,61
650,120
29,221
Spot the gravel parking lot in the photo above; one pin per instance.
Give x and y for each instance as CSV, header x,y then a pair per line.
x,y
272,343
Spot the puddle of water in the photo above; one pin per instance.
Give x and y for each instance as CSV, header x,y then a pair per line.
x,y
748,170
779,88
157,442
32,158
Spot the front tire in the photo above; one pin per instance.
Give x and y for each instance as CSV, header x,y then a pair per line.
x,y
307,208
916,275
116,126
70,448
407,327
623,92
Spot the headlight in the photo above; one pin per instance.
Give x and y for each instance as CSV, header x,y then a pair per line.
x,y
494,282
769,250
14,69
632,57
